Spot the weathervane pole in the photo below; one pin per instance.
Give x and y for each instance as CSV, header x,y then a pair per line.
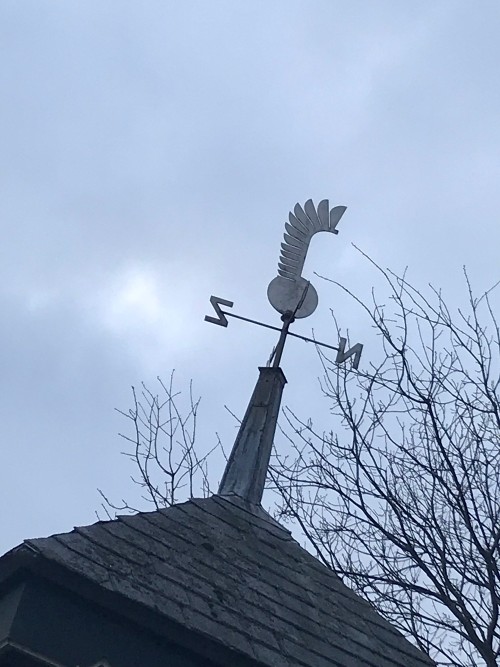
x,y
288,318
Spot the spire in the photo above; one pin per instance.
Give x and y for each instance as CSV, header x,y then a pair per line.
x,y
246,470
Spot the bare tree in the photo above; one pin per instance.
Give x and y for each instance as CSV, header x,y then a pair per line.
x,y
169,467
402,497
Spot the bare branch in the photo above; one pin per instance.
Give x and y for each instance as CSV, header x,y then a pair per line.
x,y
402,496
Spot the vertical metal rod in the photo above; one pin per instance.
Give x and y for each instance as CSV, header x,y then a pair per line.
x,y
287,318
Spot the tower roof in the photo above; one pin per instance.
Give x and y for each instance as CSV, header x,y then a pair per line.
x,y
223,569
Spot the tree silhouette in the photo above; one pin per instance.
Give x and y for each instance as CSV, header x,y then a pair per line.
x,y
402,499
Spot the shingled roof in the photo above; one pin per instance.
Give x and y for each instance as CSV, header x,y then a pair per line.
x,y
224,569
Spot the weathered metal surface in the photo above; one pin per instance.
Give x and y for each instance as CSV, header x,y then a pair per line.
x,y
246,469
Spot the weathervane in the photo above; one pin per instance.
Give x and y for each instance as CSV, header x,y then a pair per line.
x,y
290,293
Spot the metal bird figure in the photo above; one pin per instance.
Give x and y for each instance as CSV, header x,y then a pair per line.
x,y
289,292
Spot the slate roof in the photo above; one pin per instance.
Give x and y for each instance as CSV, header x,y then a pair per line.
x,y
226,570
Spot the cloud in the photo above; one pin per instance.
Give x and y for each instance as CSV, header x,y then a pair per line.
x,y
145,309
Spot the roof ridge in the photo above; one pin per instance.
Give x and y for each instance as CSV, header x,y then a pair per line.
x,y
255,511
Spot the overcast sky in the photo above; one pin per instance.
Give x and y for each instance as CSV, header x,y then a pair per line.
x,y
149,155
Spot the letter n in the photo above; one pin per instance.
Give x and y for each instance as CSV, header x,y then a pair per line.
x,y
355,351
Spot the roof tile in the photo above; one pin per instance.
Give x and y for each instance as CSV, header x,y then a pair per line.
x,y
229,571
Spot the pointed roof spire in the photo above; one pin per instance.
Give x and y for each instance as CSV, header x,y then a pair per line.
x,y
246,470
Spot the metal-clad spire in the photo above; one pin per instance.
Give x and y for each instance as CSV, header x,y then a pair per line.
x,y
246,469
